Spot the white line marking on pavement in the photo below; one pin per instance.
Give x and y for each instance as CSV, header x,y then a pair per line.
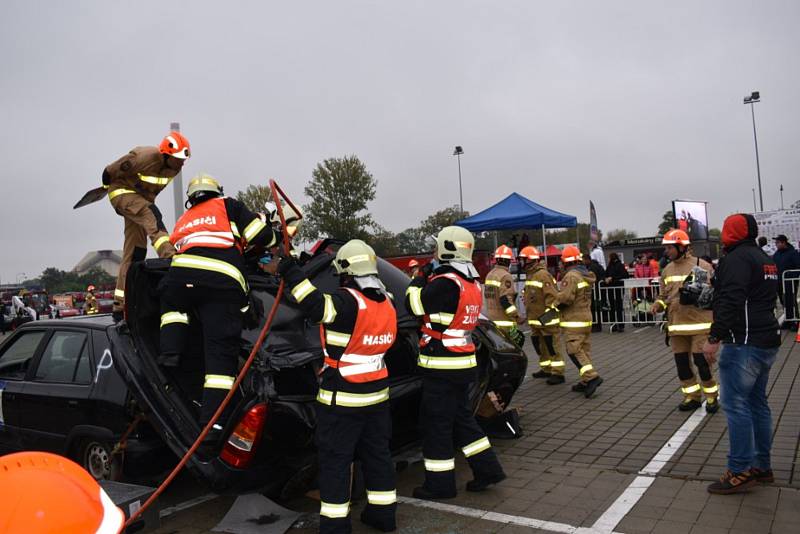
x,y
671,447
166,512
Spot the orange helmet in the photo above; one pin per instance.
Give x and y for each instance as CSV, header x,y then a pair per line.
x,y
570,254
503,253
46,493
175,145
530,253
676,237
90,288
412,264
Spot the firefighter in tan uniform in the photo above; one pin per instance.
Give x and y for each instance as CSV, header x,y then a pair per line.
x,y
133,182
575,303
90,306
499,295
541,308
687,325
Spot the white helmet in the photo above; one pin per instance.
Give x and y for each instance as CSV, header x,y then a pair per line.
x,y
356,258
454,243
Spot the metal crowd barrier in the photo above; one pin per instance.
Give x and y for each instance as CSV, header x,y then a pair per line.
x,y
790,280
629,303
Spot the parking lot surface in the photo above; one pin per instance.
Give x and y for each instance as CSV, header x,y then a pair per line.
x,y
624,461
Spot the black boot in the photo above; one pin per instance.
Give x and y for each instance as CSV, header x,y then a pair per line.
x,y
384,524
481,483
424,493
591,386
552,380
541,373
580,386
689,405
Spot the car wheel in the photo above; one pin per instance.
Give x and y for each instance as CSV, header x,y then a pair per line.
x,y
95,456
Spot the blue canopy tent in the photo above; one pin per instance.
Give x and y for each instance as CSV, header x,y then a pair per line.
x,y
516,212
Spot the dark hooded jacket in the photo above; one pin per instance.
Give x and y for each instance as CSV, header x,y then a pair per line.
x,y
745,288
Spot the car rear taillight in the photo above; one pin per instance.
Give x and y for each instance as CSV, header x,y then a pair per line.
x,y
240,449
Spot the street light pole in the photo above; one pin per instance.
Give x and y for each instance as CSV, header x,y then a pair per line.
x,y
754,200
457,152
781,196
754,97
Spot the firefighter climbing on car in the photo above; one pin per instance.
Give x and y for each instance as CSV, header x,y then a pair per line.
x,y
500,295
448,299
133,182
358,324
688,319
540,298
575,303
206,283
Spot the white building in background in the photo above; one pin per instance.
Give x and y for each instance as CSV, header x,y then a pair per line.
x,y
107,260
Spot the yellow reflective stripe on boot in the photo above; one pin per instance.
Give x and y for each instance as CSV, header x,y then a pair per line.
x,y
504,324
511,309
688,327
382,497
711,389
437,466
117,192
160,241
337,339
545,363
557,363
691,389
302,290
173,317
447,362
334,511
207,264
252,229
415,299
476,447
575,324
219,382
329,312
585,369
352,400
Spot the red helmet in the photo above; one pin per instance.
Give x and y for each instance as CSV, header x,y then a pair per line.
x,y
530,252
90,288
676,237
503,253
412,264
46,493
175,145
571,254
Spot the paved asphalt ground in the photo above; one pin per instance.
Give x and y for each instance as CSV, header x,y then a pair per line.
x,y
624,461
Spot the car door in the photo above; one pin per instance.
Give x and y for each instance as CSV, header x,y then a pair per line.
x,y
16,355
57,391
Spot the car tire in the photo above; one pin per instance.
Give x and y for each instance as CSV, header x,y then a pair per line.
x,y
95,457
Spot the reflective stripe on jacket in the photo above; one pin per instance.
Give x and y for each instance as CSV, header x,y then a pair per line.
x,y
683,319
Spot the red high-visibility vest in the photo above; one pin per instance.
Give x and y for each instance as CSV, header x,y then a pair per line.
x,y
204,225
373,334
457,337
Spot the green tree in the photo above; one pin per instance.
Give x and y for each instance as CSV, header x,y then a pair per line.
x,y
619,234
254,197
340,189
667,222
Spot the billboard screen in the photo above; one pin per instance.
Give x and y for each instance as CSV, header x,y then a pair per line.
x,y
691,216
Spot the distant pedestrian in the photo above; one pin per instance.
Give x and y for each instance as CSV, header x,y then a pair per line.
x,y
786,258
598,302
745,289
596,253
615,274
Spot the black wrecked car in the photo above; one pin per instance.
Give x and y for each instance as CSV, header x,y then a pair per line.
x,y
269,444
59,393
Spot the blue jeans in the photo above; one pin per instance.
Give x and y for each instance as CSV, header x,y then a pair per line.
x,y
743,374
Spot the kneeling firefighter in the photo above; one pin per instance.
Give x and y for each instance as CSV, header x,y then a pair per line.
x,y
541,308
450,306
205,282
575,303
688,324
358,324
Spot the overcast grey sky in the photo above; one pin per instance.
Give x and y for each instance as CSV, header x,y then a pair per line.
x,y
629,104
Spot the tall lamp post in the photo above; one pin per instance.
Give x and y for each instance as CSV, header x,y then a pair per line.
x,y
754,97
457,152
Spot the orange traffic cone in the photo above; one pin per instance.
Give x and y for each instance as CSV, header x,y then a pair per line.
x,y
797,337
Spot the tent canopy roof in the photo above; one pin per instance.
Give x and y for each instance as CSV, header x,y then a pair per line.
x,y
516,212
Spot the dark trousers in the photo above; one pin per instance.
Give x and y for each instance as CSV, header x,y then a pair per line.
x,y
220,316
788,297
447,420
344,435
615,296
